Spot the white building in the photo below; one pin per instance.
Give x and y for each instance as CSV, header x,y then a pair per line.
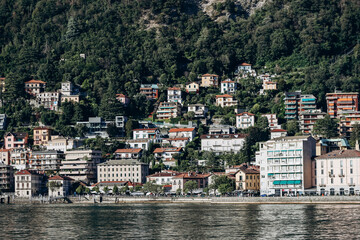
x,y
166,155
276,133
64,144
19,158
130,154
225,100
139,143
59,186
182,133
49,100
200,110
28,183
164,177
245,120
222,143
175,142
272,121
146,133
123,170
285,165
174,95
228,86
338,172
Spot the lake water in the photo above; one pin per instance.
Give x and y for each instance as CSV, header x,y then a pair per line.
x,y
180,221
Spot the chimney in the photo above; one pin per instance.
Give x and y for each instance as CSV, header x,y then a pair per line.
x,y
357,148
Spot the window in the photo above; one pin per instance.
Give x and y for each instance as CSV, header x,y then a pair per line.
x,y
341,163
332,181
351,171
351,163
331,164
341,180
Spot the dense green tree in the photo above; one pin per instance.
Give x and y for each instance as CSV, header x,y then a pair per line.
x,y
190,186
326,127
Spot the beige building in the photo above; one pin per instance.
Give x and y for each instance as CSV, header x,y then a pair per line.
x,y
41,135
192,87
338,173
245,120
178,182
28,183
34,87
225,100
71,98
59,186
209,80
247,178
123,170
63,144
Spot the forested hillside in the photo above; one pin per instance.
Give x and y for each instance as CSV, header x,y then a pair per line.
x,y
172,41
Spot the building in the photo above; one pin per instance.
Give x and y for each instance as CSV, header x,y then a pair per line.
x,y
2,84
268,84
15,140
200,110
123,170
123,99
276,133
228,86
192,87
49,100
182,133
295,103
324,146
245,120
5,156
272,121
209,80
139,143
308,118
164,177
110,185
63,143
70,98
28,184
167,110
179,181
221,129
67,88
6,178
80,165
151,91
146,133
180,142
286,165
347,120
96,126
245,67
247,178
307,103
120,121
174,95
129,154
34,87
338,172
19,158
342,102
222,143
166,155
42,135
49,160
225,100
59,186
2,121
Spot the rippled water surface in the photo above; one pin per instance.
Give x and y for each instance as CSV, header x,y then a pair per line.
x,y
180,221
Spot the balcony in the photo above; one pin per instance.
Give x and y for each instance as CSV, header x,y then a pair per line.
x,y
341,175
351,184
322,185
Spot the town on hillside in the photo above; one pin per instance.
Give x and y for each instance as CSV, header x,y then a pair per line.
x,y
214,144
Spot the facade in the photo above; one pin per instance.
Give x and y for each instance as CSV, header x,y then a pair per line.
x,y
179,181
81,165
146,133
286,165
295,103
200,110
46,160
307,103
6,178
247,178
342,102
268,84
63,144
166,155
308,118
192,87
49,100
276,133
174,95
346,122
96,127
34,87
123,170
338,173
164,177
19,158
244,70
221,129
182,133
324,146
228,86
151,91
15,140
167,110
225,100
67,88
70,98
59,186
139,143
2,121
28,184
123,99
129,154
272,120
245,120
42,135
222,143
180,142
209,80
5,156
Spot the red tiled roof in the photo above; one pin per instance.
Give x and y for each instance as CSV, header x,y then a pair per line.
x,y
121,95
245,64
4,150
35,81
57,177
24,172
181,130
129,150
224,96
170,149
42,128
174,88
227,81
243,113
278,130
145,129
340,154
167,186
192,175
208,75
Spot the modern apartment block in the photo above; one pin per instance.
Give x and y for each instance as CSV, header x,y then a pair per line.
x,y
347,120
167,110
6,178
308,118
286,165
222,143
340,102
46,160
151,91
295,102
174,95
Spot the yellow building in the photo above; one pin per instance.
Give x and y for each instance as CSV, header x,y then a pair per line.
x,y
247,178
41,135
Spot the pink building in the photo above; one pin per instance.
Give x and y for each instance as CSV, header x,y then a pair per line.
x,y
123,99
15,140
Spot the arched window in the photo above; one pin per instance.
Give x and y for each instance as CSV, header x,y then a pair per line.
x,y
341,191
332,191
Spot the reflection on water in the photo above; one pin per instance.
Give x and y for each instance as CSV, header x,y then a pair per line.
x,y
180,221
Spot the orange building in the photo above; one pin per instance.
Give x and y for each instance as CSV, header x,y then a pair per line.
x,y
340,102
